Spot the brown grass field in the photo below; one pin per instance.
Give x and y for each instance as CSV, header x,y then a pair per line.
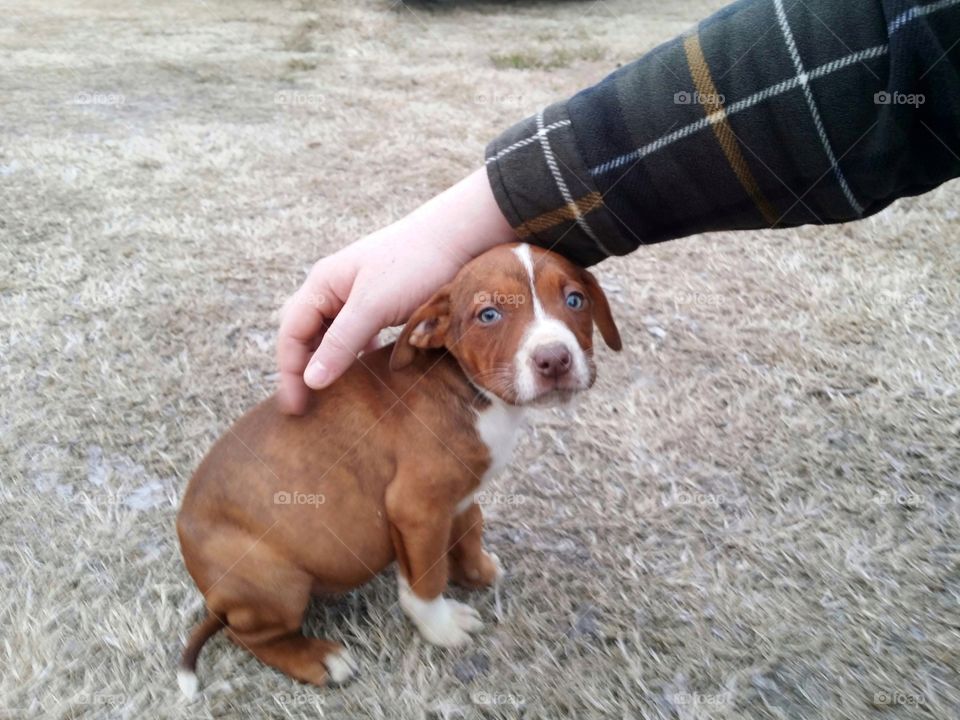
x,y
754,514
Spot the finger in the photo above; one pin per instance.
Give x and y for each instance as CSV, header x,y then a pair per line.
x,y
301,327
350,331
293,394
374,344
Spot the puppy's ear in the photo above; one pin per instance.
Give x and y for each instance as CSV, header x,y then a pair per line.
x,y
426,328
601,312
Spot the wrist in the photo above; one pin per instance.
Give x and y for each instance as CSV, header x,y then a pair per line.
x,y
465,217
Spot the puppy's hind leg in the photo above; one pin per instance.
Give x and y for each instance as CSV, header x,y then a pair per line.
x,y
265,616
309,660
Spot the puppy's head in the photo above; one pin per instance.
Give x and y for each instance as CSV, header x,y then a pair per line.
x,y
519,320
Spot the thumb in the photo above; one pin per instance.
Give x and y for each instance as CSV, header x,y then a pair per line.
x,y
342,342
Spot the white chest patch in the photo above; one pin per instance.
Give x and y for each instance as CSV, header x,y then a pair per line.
x,y
499,428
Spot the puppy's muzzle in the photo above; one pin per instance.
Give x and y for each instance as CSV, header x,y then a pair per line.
x,y
552,361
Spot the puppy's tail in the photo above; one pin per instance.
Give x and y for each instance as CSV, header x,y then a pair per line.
x,y
186,673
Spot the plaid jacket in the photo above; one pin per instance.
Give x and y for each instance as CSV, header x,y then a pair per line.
x,y
770,113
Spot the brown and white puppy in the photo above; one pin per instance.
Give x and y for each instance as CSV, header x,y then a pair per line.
x,y
385,463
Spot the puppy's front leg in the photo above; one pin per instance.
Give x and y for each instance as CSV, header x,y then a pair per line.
x,y
470,565
421,533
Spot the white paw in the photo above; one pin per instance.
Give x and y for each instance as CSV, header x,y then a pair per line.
x,y
465,616
449,624
341,666
440,621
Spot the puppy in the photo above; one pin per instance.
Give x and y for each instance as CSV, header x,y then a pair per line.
x,y
384,465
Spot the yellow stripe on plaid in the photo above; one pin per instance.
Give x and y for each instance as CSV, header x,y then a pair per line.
x,y
570,211
712,103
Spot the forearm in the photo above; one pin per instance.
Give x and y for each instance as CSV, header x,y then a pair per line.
x,y
728,128
463,220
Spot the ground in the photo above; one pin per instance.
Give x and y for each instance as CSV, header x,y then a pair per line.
x,y
753,514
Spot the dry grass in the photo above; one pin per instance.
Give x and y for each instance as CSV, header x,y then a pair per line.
x,y
755,514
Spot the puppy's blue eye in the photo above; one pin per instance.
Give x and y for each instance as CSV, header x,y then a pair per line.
x,y
488,315
575,300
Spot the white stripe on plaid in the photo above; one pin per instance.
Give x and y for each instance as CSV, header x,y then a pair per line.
x,y
812,105
736,107
562,184
526,141
917,11
782,87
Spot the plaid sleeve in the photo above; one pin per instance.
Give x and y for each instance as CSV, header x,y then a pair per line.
x,y
770,113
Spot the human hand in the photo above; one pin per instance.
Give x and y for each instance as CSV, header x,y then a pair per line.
x,y
378,282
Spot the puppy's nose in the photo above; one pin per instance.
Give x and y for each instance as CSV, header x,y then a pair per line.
x,y
552,360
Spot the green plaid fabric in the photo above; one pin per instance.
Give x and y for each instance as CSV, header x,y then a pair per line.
x,y
770,113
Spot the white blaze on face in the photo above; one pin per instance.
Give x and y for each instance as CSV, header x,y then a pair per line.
x,y
544,330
